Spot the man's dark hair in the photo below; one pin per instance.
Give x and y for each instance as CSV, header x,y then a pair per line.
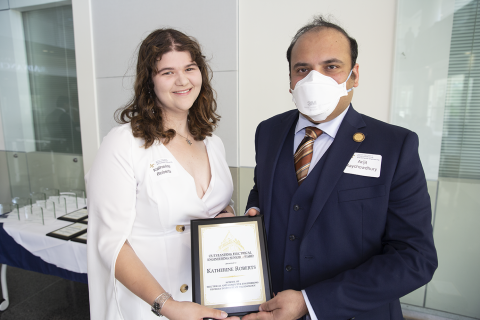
x,y
318,23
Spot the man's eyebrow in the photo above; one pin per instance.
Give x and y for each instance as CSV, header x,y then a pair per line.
x,y
304,64
300,64
333,60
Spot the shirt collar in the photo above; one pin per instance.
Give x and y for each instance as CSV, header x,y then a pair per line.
x,y
331,127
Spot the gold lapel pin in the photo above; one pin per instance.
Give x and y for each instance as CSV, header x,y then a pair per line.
x,y
358,137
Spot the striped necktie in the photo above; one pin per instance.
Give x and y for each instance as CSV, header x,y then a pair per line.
x,y
303,155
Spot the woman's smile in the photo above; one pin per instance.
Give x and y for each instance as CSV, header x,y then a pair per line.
x,y
183,92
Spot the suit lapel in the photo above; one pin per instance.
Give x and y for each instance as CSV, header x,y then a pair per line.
x,y
340,153
279,131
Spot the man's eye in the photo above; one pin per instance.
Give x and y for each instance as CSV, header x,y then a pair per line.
x,y
302,70
331,67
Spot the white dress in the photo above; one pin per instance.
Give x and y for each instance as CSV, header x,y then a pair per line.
x,y
146,197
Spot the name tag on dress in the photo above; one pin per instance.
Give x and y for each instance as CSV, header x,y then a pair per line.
x,y
364,164
163,168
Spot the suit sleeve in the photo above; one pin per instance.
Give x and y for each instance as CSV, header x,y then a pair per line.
x,y
253,197
408,258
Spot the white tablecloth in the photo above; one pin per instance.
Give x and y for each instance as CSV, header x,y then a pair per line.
x,y
67,255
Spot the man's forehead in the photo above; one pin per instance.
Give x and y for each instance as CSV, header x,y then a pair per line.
x,y
317,41
320,35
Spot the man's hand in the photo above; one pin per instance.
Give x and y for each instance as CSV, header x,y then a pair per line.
x,y
286,305
252,212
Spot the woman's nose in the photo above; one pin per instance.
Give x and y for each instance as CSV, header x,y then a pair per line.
x,y
182,80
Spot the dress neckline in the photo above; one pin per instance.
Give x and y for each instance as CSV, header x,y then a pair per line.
x,y
212,172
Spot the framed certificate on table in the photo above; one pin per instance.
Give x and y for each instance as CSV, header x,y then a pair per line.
x,y
75,216
230,269
69,232
81,238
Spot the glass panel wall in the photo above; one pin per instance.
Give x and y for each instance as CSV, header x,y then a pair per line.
x,y
40,144
53,81
435,93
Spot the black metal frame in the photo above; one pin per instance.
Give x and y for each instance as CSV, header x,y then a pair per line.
x,y
196,290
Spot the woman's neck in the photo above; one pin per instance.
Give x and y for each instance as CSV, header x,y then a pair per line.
x,y
177,122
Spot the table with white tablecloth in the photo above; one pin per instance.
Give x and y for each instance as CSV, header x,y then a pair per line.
x,y
24,244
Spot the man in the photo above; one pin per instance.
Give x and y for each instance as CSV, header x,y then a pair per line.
x,y
344,196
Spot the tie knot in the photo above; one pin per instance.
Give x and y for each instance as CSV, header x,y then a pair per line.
x,y
312,132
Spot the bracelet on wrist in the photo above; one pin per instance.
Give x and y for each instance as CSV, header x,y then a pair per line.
x,y
159,302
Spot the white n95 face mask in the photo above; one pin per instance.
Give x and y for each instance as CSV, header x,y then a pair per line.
x,y
316,95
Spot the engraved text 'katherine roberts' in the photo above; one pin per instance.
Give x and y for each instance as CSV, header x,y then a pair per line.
x,y
231,265
230,249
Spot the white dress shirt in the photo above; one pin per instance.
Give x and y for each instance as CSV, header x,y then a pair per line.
x,y
323,142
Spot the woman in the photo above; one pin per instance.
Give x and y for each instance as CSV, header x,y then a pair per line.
x,y
152,175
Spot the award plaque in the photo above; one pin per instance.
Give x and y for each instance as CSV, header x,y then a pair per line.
x,y
230,270
81,238
69,232
75,216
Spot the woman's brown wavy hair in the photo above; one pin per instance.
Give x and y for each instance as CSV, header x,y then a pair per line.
x,y
144,112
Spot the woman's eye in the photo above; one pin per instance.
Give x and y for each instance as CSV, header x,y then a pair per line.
x,y
190,69
167,73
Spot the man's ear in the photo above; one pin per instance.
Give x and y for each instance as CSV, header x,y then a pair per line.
x,y
355,75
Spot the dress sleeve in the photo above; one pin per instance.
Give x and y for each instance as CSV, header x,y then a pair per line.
x,y
111,189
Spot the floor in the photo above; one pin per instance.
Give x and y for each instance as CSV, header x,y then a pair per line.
x,y
42,297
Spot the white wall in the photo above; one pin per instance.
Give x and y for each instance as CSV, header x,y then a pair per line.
x,y
265,31
120,25
86,82
3,4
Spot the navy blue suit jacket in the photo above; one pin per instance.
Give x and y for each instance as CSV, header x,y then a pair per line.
x,y
367,241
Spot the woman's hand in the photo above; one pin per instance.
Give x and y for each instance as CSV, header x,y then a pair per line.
x,y
229,213
174,310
